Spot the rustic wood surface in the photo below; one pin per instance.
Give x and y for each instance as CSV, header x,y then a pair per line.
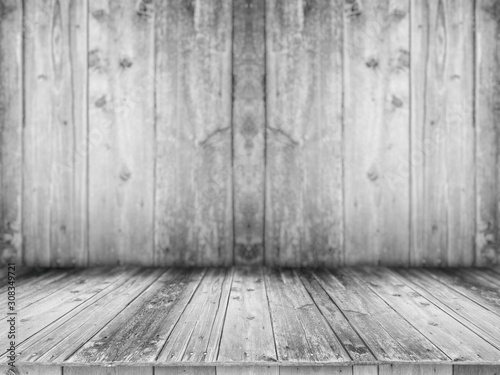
x,y
376,131
362,321
193,207
249,118
442,82
249,132
304,207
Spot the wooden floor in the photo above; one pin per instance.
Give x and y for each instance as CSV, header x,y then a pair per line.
x,y
258,321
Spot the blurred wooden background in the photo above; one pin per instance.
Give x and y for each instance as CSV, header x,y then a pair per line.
x,y
284,132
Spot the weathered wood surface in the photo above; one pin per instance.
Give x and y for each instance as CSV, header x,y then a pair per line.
x,y
193,207
475,370
376,132
205,370
121,131
326,370
196,336
456,340
415,370
442,82
118,370
248,122
248,332
487,111
11,125
388,335
301,332
55,133
304,205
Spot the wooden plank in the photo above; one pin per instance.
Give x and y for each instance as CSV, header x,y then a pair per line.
x,y
197,334
377,132
345,332
55,133
401,369
481,291
475,370
248,333
442,83
456,340
172,370
39,370
106,370
11,125
139,332
386,333
58,341
478,319
365,370
487,110
193,222
300,331
255,370
121,132
323,370
249,116
304,221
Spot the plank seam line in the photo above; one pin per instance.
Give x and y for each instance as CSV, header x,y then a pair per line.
x,y
265,277
180,315
126,305
225,311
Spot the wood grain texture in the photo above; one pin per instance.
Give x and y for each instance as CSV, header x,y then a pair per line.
x,y
39,370
143,327
442,83
11,125
376,132
388,335
248,333
365,370
323,370
256,370
301,332
456,340
204,370
196,336
194,217
249,68
476,370
487,110
304,205
344,330
412,369
117,370
55,133
121,131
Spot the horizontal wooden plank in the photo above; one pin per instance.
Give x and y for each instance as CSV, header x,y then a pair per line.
x,y
415,370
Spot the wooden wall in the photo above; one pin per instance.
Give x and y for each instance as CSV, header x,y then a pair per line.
x,y
280,132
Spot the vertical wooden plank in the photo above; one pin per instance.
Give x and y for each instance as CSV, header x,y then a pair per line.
x,y
185,370
376,132
304,133
55,161
11,118
106,370
249,71
316,370
121,126
254,370
487,109
476,370
194,224
415,369
443,194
